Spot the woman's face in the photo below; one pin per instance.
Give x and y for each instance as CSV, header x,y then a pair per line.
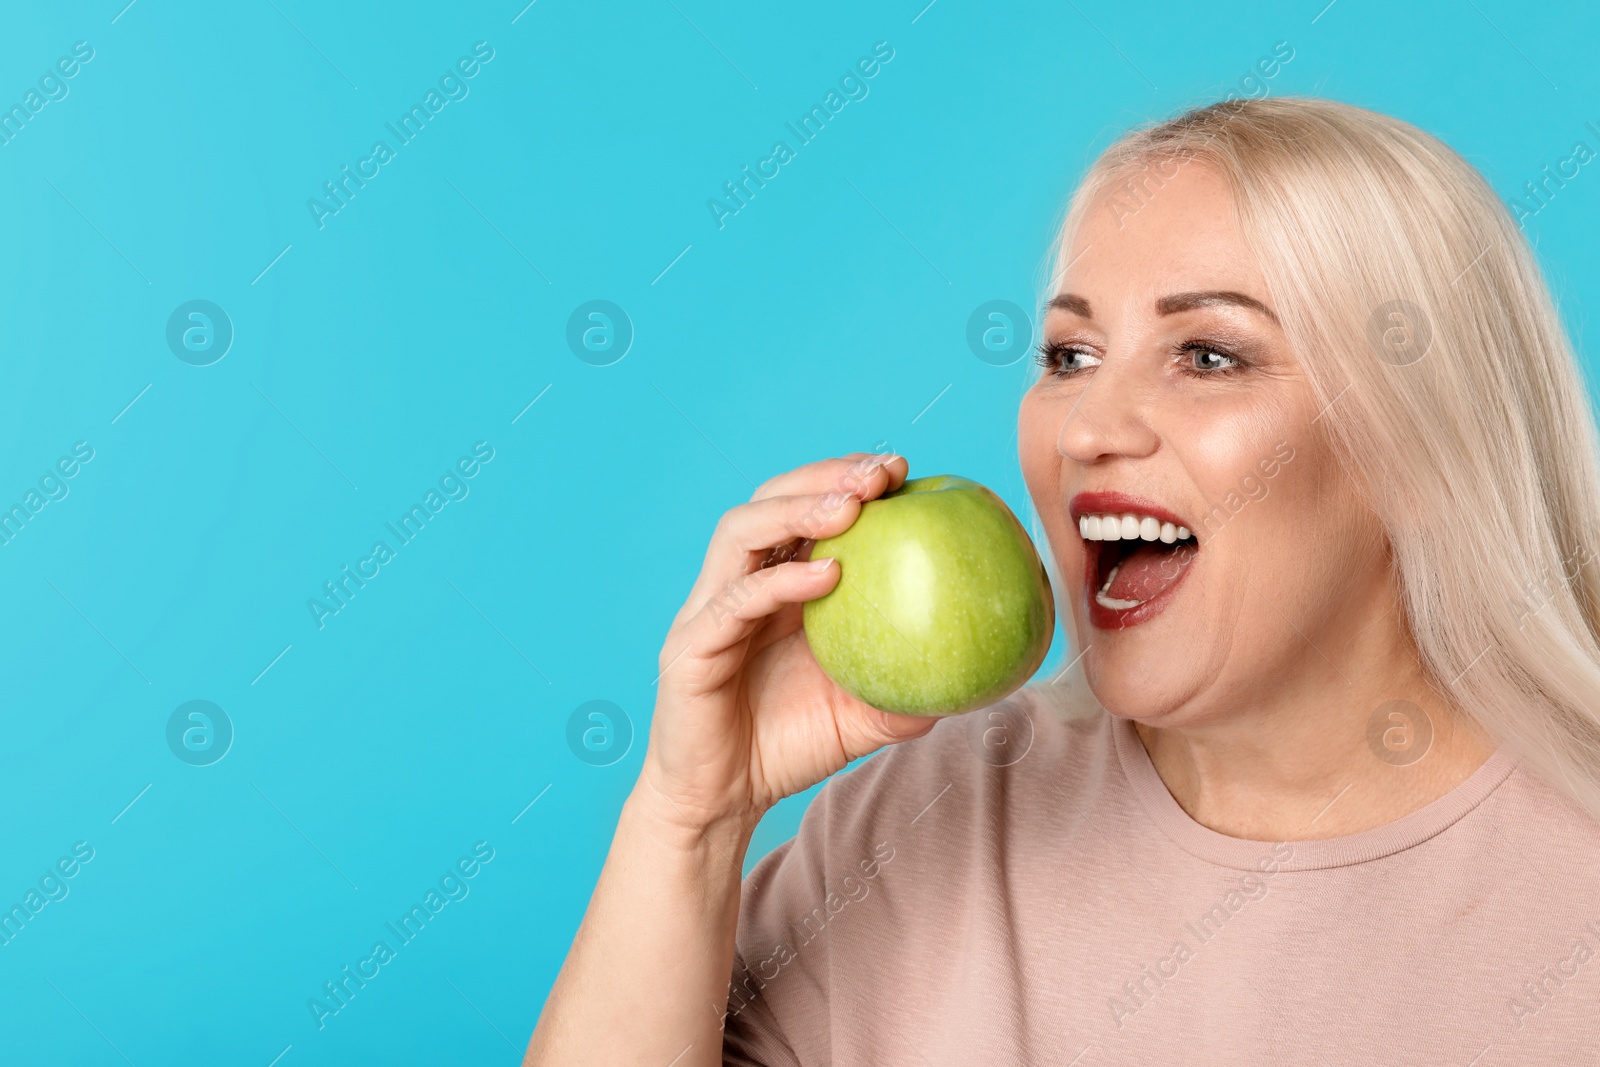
x,y
1169,395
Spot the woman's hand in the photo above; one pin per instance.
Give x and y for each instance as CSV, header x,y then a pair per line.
x,y
744,716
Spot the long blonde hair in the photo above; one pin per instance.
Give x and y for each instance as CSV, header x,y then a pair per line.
x,y
1449,388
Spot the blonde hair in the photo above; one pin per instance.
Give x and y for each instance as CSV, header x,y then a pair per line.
x,y
1448,387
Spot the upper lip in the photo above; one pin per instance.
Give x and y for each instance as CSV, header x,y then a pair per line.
x,y
1109,502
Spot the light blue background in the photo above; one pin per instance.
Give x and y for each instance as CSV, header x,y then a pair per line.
x,y
425,316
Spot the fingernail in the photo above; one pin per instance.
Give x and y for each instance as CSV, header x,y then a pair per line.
x,y
874,465
834,501
820,564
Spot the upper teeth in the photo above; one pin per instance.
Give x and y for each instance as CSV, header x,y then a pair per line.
x,y
1130,527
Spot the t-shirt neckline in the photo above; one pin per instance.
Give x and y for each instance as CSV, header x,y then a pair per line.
x,y
1244,854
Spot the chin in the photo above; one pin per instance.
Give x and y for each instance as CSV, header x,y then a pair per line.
x,y
1153,666
1149,688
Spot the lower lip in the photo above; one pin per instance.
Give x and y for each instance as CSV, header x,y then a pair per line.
x,y
1104,618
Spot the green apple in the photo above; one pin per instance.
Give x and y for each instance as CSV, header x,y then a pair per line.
x,y
942,606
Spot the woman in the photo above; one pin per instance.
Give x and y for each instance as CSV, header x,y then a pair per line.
x,y
1322,783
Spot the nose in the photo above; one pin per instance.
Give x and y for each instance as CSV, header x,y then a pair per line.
x,y
1107,419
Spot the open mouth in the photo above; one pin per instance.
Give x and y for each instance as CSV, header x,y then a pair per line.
x,y
1136,556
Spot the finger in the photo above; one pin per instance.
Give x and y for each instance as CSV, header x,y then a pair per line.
x,y
845,474
745,535
742,604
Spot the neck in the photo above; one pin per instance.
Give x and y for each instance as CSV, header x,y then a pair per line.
x,y
1327,754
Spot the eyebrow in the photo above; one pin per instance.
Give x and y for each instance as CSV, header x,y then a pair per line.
x,y
1171,305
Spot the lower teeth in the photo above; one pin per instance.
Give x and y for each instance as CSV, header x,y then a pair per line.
x,y
1107,583
1112,602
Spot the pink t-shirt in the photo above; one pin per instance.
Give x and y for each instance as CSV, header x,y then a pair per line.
x,y
1044,900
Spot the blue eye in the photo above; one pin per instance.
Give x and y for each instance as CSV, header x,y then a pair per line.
x,y
1204,358
1064,359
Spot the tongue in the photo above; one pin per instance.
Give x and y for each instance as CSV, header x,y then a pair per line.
x,y
1148,571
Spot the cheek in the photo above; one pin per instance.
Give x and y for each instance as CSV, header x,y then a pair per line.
x,y
1342,543
1307,546
1225,443
1256,530
1225,449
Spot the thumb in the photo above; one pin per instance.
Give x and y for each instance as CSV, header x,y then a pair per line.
x,y
868,729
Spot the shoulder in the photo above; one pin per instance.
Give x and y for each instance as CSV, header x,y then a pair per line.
x,y
1528,807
